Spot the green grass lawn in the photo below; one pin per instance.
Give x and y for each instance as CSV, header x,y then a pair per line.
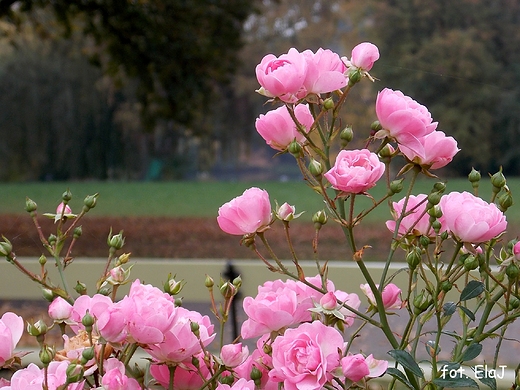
x,y
201,199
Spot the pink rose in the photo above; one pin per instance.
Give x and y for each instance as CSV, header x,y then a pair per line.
x,y
115,377
95,305
261,361
415,208
60,310
186,375
325,72
364,55
351,300
470,218
277,305
11,330
355,171
286,212
149,313
391,296
516,250
436,150
354,367
278,129
402,118
32,378
241,384
247,213
283,76
329,301
377,367
179,342
233,355
305,357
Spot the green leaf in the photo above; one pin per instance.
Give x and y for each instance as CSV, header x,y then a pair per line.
x,y
407,361
449,308
399,376
468,312
473,289
471,352
458,381
489,382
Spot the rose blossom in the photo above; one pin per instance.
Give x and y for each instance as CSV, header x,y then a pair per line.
x,y
278,129
436,150
95,305
148,312
283,76
364,55
246,213
59,310
11,330
32,378
277,306
390,295
376,367
241,384
350,299
304,357
414,209
233,355
115,377
355,171
354,367
516,250
186,375
180,342
470,218
402,118
325,72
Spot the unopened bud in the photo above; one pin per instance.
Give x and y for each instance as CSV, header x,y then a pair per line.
x,y
470,263
505,201
396,186
512,271
39,328
81,288
434,198
172,286
376,126
52,239
424,241
439,187
208,282
88,354
295,149
30,205
6,247
74,372
421,303
346,135
194,326
328,104
446,285
237,282
116,241
90,202
88,320
66,196
319,219
498,180
354,76
77,232
42,260
47,355
48,294
315,168
474,177
228,290
256,374
413,258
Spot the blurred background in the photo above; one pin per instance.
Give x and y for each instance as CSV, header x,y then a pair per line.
x,y
156,90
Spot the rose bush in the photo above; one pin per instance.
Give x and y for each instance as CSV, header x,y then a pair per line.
x,y
304,329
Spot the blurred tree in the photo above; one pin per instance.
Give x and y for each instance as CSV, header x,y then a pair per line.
x,y
460,59
177,50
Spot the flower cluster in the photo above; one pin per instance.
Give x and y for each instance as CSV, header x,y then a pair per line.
x,y
300,331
